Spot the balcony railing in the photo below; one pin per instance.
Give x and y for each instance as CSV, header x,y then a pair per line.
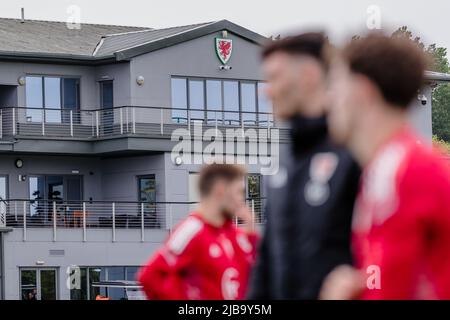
x,y
97,123
55,214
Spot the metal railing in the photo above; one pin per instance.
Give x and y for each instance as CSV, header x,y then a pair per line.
x,y
113,215
97,123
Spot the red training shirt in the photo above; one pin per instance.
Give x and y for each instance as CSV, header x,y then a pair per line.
x,y
401,227
200,262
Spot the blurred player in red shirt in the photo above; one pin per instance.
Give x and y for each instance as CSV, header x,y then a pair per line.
x,y
207,256
401,226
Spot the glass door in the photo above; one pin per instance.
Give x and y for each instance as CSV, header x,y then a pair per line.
x,y
47,285
43,190
107,103
147,195
38,284
253,186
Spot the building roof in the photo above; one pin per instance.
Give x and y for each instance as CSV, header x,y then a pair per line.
x,y
118,42
437,76
34,36
38,40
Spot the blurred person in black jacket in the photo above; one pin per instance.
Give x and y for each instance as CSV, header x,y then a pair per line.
x,y
311,197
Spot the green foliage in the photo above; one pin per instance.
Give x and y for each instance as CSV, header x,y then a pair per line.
x,y
441,144
441,93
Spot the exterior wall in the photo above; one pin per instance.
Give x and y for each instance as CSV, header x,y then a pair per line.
x,y
57,165
11,71
196,58
119,176
177,186
420,116
120,74
98,250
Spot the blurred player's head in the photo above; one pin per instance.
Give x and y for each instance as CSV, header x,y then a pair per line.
x,y
223,186
295,69
372,83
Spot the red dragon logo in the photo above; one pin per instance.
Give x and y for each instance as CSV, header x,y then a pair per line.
x,y
224,47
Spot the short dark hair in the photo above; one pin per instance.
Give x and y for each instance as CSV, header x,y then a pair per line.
x,y
312,44
212,173
395,65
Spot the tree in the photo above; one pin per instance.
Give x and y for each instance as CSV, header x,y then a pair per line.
x,y
440,93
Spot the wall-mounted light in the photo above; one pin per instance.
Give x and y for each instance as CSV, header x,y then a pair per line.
x,y
178,161
225,33
18,163
21,81
140,80
40,262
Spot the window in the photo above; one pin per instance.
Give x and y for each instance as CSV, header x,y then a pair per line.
x,y
45,189
248,103
38,283
52,99
147,188
89,275
147,195
231,102
28,284
213,101
56,95
225,101
253,187
179,100
116,273
107,104
3,188
197,99
34,97
264,105
80,293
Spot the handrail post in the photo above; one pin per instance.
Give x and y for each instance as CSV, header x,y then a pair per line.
x,y
189,121
121,120
54,221
24,221
113,221
43,121
84,221
133,118
242,124
71,123
142,222
14,120
1,123
253,214
162,121
215,115
97,124
127,120
170,218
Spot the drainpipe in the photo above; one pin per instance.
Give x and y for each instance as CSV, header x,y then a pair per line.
x,y
2,261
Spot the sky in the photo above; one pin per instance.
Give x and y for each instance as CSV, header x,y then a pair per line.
x,y
339,18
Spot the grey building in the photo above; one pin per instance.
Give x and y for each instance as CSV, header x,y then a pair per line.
x,y
88,183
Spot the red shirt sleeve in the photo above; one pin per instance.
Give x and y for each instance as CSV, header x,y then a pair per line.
x,y
399,244
162,277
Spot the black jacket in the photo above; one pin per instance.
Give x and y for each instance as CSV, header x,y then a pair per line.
x,y
309,211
